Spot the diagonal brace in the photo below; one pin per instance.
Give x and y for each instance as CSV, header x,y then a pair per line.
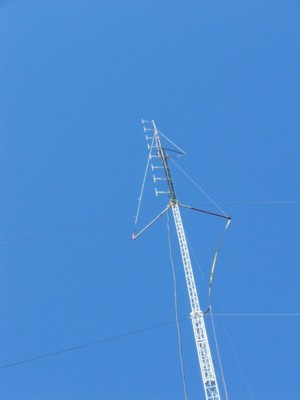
x,y
205,212
135,236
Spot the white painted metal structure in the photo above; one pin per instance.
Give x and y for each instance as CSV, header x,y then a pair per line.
x,y
202,345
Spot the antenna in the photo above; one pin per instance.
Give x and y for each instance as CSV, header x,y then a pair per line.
x,y
159,155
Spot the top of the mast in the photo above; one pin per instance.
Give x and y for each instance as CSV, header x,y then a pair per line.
x,y
158,151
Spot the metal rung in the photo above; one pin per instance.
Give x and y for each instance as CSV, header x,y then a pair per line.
x,y
158,192
153,167
153,156
158,179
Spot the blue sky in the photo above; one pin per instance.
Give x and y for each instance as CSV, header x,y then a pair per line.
x,y
221,79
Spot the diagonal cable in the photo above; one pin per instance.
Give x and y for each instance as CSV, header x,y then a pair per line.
x,y
93,343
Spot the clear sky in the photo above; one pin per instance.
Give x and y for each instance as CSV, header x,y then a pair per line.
x,y
221,79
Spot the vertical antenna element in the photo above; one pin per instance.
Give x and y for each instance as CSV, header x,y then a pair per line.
x,y
197,317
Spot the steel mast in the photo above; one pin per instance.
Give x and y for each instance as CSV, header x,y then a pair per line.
x,y
197,317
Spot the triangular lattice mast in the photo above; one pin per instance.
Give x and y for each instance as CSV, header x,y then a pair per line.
x,y
202,345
